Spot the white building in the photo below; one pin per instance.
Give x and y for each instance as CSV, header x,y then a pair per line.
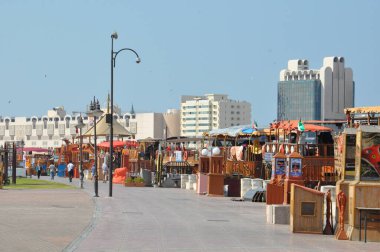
x,y
172,123
338,88
200,114
315,94
48,131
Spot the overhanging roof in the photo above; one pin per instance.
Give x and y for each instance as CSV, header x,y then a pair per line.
x,y
103,129
363,110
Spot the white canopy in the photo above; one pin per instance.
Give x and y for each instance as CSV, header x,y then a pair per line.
x,y
103,129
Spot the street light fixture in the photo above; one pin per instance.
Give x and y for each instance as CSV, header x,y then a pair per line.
x,y
95,112
80,126
110,117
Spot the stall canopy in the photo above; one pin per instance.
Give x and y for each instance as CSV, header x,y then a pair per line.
x,y
33,149
118,144
291,125
149,140
234,131
103,129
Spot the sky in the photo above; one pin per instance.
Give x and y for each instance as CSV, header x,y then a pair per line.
x,y
58,53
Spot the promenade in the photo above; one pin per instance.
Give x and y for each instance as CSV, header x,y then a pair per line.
x,y
146,219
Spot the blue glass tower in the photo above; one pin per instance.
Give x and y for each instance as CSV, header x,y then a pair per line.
x,y
299,99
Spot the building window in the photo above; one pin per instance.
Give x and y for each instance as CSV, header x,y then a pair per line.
x,y
127,121
34,121
7,124
67,122
238,112
45,123
56,123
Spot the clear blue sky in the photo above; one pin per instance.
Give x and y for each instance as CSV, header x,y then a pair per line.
x,y
56,53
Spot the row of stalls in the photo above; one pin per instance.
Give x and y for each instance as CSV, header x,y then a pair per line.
x,y
358,165
34,156
19,161
252,153
129,155
301,153
125,154
322,188
71,151
230,156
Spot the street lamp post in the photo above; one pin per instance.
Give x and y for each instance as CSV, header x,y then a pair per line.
x,y
95,112
110,117
22,143
79,126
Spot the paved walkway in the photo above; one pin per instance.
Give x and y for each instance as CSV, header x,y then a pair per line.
x,y
162,219
42,220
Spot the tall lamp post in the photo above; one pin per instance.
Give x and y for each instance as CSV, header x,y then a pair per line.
x,y
79,126
110,116
22,143
95,112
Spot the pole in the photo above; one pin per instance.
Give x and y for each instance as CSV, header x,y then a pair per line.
x,y
111,129
6,163
81,159
113,58
14,153
96,161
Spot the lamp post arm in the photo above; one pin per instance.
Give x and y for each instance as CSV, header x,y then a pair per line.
x,y
125,49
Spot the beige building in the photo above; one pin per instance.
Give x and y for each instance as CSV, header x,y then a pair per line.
x,y
201,114
48,131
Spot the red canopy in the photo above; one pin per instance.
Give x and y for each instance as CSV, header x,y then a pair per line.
x,y
116,144
293,125
36,149
119,144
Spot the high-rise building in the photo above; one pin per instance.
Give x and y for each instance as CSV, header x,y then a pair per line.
x,y
200,114
315,94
